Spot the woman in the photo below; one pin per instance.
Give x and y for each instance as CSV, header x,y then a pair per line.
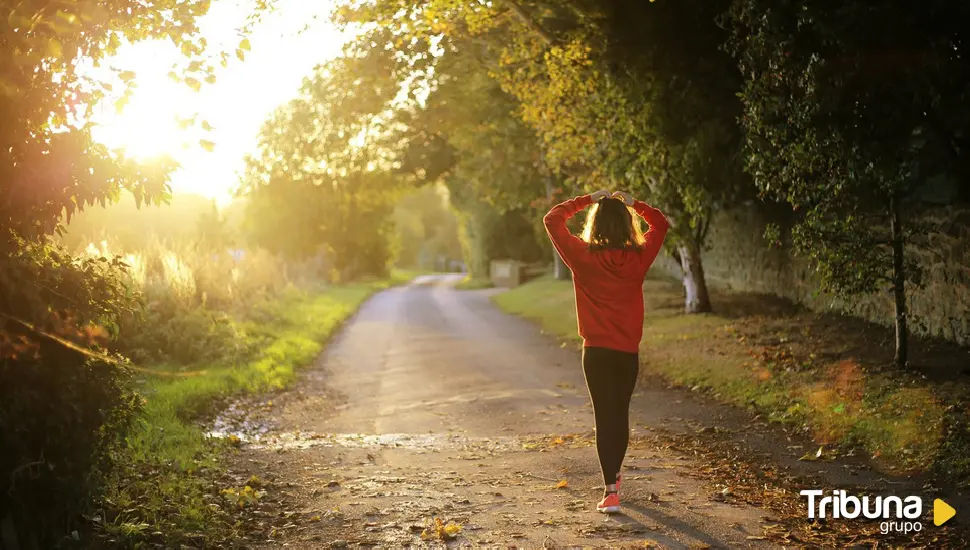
x,y
608,265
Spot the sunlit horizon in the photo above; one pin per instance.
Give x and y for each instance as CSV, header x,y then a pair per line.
x,y
285,47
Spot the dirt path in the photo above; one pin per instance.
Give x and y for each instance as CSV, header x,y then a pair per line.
x,y
431,404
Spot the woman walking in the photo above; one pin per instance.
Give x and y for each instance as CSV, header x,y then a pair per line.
x,y
608,266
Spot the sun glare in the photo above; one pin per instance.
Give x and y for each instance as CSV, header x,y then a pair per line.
x,y
228,114
148,125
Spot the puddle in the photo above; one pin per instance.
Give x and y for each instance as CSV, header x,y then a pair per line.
x,y
418,442
244,419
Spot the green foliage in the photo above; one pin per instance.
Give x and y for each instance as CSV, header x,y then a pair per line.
x,y
62,410
189,297
46,171
131,228
324,180
213,230
630,94
86,290
848,110
425,228
167,474
61,417
637,94
182,337
840,134
496,157
471,283
488,234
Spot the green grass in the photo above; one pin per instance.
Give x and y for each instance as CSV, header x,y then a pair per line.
x,y
297,329
163,481
472,283
893,416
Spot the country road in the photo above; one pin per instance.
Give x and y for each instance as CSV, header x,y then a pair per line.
x,y
432,403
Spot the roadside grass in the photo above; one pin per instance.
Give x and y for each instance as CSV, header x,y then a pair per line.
x,y
167,486
473,283
401,276
830,373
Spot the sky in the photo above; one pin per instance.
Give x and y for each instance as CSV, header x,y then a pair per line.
x,y
285,47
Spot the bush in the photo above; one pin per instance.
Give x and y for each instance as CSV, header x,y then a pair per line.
x,y
63,410
66,405
61,416
182,337
191,296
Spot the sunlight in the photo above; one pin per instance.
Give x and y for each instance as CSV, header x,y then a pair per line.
x,y
147,127
285,47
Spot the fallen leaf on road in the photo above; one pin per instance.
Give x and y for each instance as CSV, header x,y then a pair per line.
x,y
812,456
241,497
562,484
441,530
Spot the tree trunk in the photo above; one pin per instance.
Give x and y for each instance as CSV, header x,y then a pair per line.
x,y
899,284
695,286
559,270
478,265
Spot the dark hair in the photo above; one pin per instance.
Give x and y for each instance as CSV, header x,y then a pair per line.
x,y
611,224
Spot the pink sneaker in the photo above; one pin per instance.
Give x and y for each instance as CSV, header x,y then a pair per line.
x,y
610,504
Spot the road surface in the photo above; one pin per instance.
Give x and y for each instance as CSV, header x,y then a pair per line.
x,y
432,404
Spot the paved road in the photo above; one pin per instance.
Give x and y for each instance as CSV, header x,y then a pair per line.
x,y
432,403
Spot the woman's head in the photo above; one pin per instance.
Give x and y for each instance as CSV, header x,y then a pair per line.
x,y
611,224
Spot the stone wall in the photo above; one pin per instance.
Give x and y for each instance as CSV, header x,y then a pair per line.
x,y
738,258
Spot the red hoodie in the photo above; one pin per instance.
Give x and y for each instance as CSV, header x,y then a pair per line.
x,y
608,283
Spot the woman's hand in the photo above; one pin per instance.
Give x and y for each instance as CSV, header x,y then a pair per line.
x,y
624,196
599,195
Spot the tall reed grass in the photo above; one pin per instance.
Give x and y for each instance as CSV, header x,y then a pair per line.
x,y
196,299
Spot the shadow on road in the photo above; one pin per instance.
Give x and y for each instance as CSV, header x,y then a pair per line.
x,y
672,524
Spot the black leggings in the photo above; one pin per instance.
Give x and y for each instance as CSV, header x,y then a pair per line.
x,y
610,378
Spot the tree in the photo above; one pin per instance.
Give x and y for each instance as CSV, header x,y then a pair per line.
x,y
496,172
132,228
49,165
848,109
639,95
63,407
426,228
630,94
324,179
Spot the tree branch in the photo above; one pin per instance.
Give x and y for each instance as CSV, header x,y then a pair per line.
x,y
527,19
